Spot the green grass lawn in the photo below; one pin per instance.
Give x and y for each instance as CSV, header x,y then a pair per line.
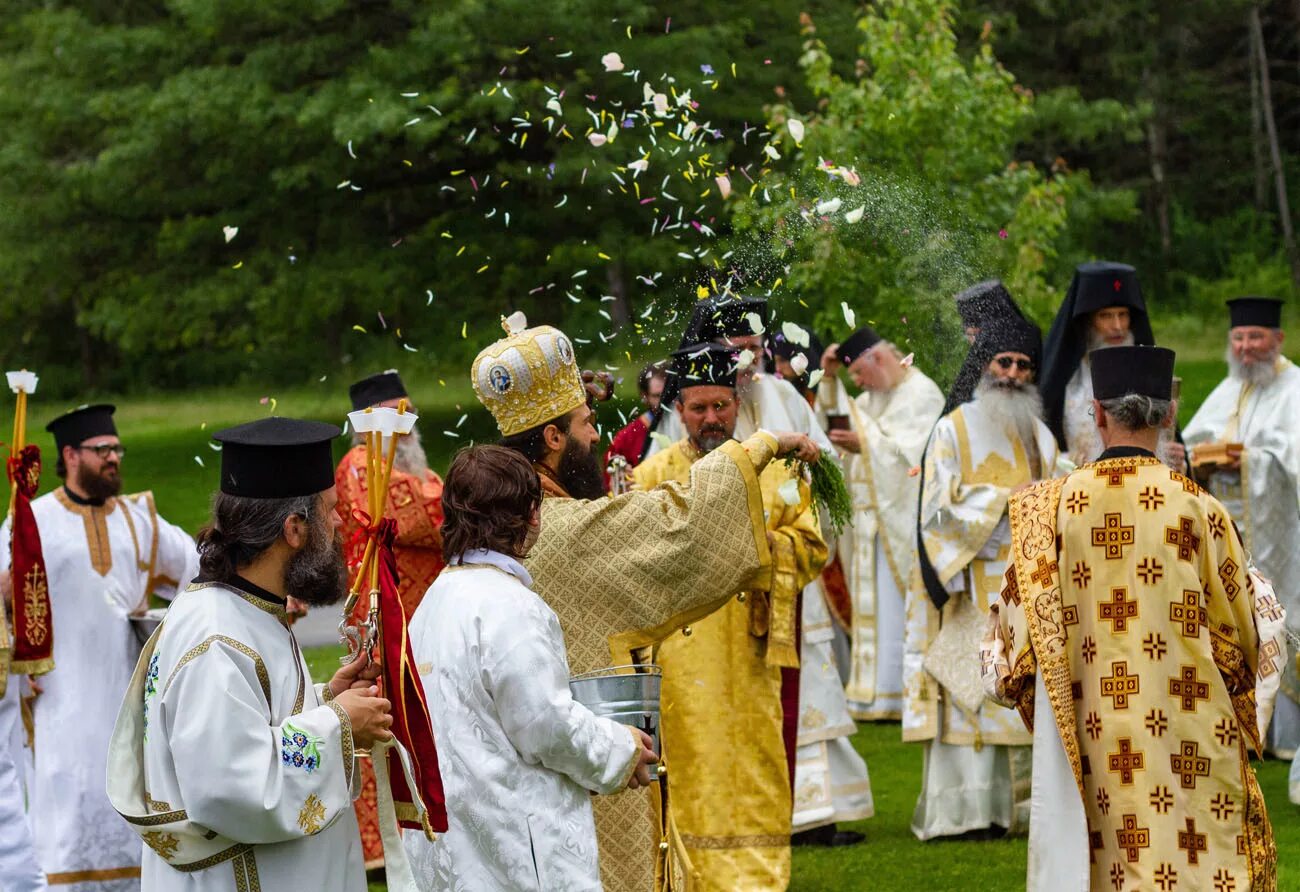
x,y
167,437
891,858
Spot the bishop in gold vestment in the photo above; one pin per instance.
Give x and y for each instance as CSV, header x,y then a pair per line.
x,y
1129,638
624,573
721,700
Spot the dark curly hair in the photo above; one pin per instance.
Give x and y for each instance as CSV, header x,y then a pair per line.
x,y
242,528
487,500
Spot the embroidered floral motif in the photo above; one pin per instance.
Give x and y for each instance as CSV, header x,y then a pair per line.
x,y
312,816
299,749
150,688
165,844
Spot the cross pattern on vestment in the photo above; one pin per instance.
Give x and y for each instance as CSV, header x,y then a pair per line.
x,y
1166,877
1089,649
1155,646
1118,610
1011,586
1226,731
1126,761
1223,881
1070,615
1117,876
1161,799
1192,842
1093,725
1044,572
1103,801
1081,575
1151,498
1216,525
1077,502
1184,538
1188,613
1189,764
1223,806
1114,474
1113,535
1189,485
1228,576
1269,607
1119,685
1132,838
1187,688
1150,570
1157,722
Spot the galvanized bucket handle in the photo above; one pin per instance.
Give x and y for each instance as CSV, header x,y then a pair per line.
x,y
636,669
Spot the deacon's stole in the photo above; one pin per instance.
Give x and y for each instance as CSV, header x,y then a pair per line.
x,y
1129,593
32,649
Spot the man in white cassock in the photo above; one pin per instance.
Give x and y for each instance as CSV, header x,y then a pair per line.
x,y
888,424
1245,442
236,771
105,554
976,776
520,757
765,401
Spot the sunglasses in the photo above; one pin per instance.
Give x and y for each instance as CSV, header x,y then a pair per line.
x,y
1006,362
104,450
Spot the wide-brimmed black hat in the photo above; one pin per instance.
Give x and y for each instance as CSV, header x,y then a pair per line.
x,y
76,427
377,389
277,458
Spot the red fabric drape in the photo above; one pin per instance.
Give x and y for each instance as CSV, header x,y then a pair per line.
x,y
33,633
411,724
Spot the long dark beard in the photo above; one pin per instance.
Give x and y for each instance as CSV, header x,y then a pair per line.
x,y
579,472
317,573
96,485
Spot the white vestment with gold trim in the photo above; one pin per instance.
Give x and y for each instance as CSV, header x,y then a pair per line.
x,y
973,776
102,562
238,746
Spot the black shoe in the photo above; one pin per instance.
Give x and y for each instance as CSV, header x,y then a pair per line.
x,y
827,836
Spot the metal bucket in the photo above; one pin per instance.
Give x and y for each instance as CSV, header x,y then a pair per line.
x,y
627,694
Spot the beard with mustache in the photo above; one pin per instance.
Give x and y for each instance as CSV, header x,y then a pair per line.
x,y
99,485
1098,342
1260,373
410,457
1020,406
709,437
317,573
579,471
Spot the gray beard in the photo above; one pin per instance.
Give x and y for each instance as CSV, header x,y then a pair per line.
x,y
1097,342
1260,374
410,457
1020,409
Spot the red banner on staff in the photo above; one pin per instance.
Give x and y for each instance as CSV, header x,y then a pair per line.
x,y
33,645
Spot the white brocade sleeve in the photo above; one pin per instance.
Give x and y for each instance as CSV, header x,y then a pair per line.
x,y
527,677
238,773
957,518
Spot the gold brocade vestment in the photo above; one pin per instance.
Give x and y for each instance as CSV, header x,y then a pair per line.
x,y
1129,594
721,700
624,573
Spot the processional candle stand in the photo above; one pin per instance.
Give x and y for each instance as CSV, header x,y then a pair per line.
x,y
409,789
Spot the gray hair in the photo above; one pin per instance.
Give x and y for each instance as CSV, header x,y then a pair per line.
x,y
1136,411
242,528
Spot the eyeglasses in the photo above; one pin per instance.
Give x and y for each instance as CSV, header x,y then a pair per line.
x,y
1006,362
104,450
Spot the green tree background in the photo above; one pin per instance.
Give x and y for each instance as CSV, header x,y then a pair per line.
x,y
195,192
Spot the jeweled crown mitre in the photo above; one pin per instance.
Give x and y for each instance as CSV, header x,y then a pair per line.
x,y
529,377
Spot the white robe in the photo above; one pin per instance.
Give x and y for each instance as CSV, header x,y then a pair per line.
x,y
878,551
19,871
1264,500
519,757
973,777
239,743
101,563
770,404
831,783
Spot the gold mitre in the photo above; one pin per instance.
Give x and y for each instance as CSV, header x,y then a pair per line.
x,y
528,377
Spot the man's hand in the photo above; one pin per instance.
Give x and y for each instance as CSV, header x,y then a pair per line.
x,y
646,759
370,714
846,440
831,359
357,675
799,445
